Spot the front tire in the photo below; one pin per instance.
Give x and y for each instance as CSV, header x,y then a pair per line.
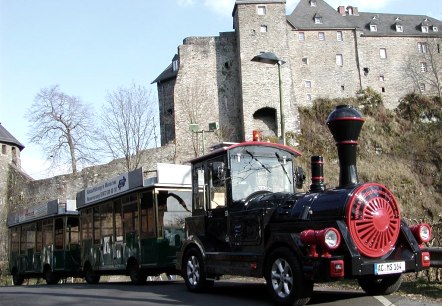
x,y
285,280
380,285
194,271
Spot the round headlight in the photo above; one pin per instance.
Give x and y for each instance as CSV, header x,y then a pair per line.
x,y
425,232
332,238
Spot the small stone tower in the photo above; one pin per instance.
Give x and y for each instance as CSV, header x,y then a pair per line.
x,y
260,27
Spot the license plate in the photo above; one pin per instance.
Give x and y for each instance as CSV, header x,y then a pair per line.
x,y
389,267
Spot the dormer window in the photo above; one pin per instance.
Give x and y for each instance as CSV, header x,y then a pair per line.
x,y
373,28
425,26
313,3
318,19
399,28
175,65
435,29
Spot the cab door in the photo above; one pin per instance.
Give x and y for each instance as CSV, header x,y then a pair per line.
x,y
216,225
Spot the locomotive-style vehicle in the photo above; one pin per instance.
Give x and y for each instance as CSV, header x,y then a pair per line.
x,y
249,220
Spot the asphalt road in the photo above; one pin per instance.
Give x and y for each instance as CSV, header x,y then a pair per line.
x,y
230,293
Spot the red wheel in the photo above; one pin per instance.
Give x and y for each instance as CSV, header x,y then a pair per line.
x,y
373,219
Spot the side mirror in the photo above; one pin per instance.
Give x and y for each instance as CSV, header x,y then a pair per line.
x,y
299,177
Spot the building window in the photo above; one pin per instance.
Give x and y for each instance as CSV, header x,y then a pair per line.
x,y
383,53
383,89
381,78
321,36
4,149
373,28
305,60
261,10
435,29
423,67
399,28
318,20
339,36
424,29
313,3
342,87
308,84
422,47
263,29
308,97
301,36
422,86
339,60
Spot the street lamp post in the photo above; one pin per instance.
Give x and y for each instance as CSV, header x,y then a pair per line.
x,y
271,58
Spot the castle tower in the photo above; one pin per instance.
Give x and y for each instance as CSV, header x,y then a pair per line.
x,y
261,26
9,156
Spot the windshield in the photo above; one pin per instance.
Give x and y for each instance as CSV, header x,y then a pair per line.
x,y
251,172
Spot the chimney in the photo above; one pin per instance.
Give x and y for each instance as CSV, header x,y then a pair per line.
x,y
345,123
341,10
317,166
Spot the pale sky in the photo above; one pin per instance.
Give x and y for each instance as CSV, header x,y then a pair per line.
x,y
92,47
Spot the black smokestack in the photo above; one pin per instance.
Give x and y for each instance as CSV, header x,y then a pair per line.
x,y
345,124
317,165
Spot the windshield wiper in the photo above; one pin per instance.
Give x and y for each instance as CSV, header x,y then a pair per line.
x,y
282,166
258,161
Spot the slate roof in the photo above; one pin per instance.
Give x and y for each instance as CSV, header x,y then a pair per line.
x,y
168,73
386,24
303,17
7,138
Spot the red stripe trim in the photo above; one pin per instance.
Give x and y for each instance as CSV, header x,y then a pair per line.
x,y
348,118
347,142
317,178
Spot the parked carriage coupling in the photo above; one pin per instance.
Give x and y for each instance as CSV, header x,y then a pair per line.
x,y
44,242
250,219
133,224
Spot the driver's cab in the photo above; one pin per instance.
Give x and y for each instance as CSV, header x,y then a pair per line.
x,y
224,180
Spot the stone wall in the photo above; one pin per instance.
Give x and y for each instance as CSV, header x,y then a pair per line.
x,y
23,192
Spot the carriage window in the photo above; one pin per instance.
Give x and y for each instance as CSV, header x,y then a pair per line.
x,y
147,215
58,245
72,231
47,232
130,218
107,226
14,239
39,238
173,207
118,220
96,222
86,224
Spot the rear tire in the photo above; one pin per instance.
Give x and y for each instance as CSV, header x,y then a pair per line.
x,y
51,277
17,279
285,280
194,271
380,285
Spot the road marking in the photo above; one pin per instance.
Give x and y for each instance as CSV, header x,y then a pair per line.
x,y
384,301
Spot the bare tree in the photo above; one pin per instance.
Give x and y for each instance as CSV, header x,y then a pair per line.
x,y
424,69
61,124
129,123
